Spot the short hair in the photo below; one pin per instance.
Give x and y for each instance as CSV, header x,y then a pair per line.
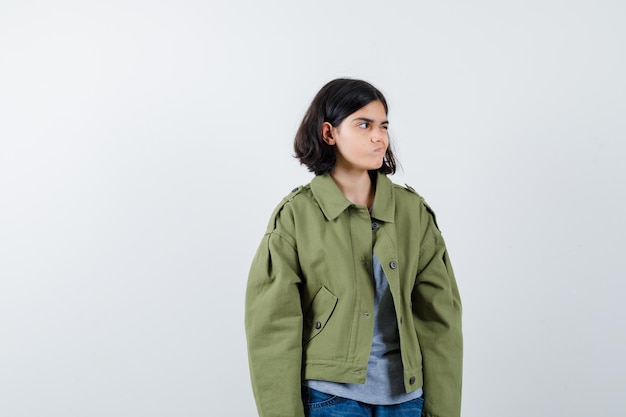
x,y
333,103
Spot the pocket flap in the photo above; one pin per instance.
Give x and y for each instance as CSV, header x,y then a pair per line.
x,y
319,313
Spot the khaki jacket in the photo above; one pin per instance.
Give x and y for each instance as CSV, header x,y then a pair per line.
x,y
310,297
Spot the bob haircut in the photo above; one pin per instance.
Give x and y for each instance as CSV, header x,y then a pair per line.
x,y
333,103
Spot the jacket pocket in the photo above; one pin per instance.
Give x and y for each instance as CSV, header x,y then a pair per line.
x,y
318,314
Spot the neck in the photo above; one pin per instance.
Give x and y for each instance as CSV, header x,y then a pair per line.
x,y
357,187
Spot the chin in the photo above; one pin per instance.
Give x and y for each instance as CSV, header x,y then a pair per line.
x,y
378,166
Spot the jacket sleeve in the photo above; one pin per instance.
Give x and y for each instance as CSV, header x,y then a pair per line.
x,y
437,313
273,322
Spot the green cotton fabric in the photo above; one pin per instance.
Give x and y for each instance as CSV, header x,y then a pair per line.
x,y
310,296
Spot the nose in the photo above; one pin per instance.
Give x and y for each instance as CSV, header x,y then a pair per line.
x,y
378,135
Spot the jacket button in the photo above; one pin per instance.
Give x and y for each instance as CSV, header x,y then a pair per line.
x,y
318,325
375,226
412,380
393,264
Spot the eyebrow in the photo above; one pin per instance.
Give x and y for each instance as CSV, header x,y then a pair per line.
x,y
365,119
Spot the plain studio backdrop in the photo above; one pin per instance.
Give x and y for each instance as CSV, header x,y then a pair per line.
x,y
144,144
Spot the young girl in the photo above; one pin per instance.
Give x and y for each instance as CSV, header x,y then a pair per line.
x,y
352,308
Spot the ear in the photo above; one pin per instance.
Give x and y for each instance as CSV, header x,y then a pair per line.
x,y
327,133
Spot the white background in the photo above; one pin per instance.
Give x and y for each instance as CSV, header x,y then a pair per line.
x,y
144,144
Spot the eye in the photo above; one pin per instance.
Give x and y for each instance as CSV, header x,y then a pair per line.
x,y
386,127
363,125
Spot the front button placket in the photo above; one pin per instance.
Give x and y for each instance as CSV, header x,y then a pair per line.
x,y
362,240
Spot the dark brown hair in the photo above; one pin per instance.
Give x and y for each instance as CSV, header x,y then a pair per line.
x,y
333,103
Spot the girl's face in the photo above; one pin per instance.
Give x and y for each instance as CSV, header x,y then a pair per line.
x,y
361,139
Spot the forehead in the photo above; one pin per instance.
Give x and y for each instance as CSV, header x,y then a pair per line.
x,y
374,111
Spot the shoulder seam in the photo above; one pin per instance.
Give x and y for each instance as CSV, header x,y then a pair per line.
x,y
410,189
271,227
286,238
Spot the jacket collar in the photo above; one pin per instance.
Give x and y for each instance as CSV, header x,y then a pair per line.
x,y
332,201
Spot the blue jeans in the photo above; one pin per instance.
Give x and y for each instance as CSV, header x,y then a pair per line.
x,y
318,404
